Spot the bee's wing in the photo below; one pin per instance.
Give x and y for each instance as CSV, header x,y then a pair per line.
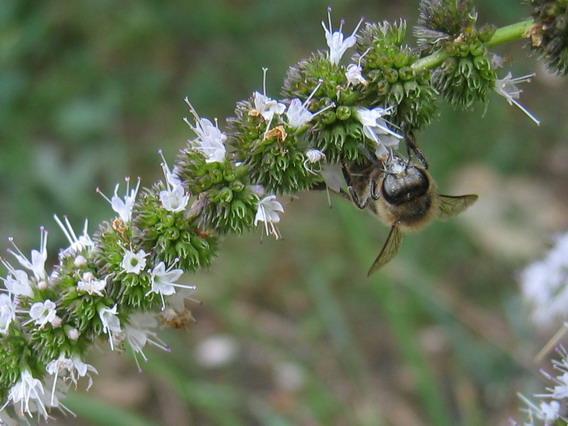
x,y
389,250
451,206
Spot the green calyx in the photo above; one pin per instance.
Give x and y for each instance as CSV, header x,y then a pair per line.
x,y
276,158
549,36
387,62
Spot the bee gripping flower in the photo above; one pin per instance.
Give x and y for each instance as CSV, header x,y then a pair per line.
x,y
134,263
123,207
268,211
335,42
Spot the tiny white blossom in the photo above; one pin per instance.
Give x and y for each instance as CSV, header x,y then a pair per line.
x,y
17,282
210,140
544,285
335,42
36,264
354,75
173,198
375,128
123,207
313,156
71,369
42,313
139,332
164,281
298,114
507,87
89,284
27,396
268,211
264,105
7,312
111,323
134,263
76,244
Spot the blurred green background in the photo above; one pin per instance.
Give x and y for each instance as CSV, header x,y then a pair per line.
x,y
290,332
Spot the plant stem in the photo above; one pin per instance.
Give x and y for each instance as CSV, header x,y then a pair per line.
x,y
503,35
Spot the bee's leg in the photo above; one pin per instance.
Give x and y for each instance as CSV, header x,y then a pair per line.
x,y
413,149
362,204
375,190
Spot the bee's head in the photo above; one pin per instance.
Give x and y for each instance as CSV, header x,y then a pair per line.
x,y
404,184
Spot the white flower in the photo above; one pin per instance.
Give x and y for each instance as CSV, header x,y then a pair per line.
x,y
76,244
376,129
173,198
264,105
27,396
354,75
335,42
267,107
313,156
164,281
7,312
210,140
268,210
134,263
17,282
71,369
545,285
111,323
123,207
139,332
37,263
89,284
298,114
507,87
42,313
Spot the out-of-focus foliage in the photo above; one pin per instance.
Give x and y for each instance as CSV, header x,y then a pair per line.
x,y
89,91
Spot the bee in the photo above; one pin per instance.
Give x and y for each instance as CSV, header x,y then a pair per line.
x,y
403,195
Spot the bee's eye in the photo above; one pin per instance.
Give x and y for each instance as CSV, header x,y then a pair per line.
x,y
399,189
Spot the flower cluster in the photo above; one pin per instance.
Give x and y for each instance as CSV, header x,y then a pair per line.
x,y
545,285
551,407
549,37
348,106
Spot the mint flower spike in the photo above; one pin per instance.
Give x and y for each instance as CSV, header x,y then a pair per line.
x,y
335,42
210,140
123,207
507,87
76,244
36,264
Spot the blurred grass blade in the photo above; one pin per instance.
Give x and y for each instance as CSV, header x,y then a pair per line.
x,y
101,413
